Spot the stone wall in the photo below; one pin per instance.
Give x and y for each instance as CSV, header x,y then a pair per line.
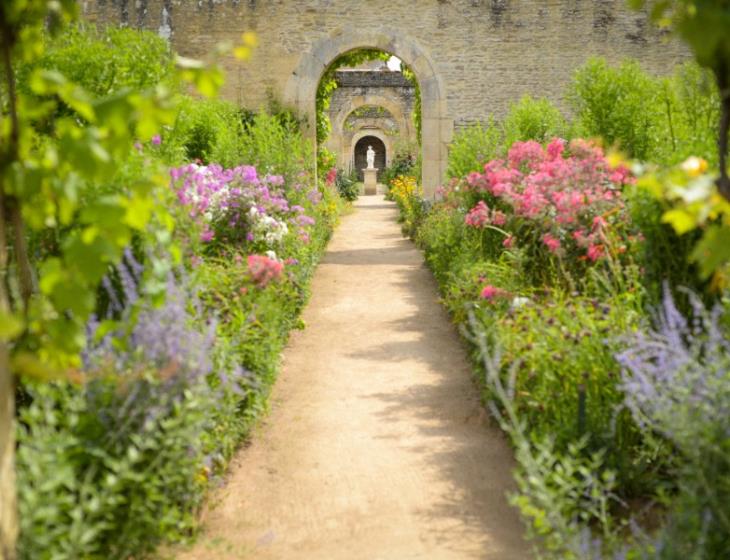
x,y
472,57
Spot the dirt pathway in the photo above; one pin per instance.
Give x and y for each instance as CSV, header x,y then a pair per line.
x,y
376,447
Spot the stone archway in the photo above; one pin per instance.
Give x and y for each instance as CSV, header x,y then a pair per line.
x,y
437,127
341,139
359,148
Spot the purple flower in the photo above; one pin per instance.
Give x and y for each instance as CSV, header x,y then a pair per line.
x,y
249,174
156,140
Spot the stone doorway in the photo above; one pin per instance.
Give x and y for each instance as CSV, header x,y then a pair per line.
x,y
360,155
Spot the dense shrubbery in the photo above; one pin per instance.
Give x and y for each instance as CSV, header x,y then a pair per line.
x,y
186,337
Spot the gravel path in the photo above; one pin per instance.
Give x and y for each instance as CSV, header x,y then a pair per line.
x,y
376,447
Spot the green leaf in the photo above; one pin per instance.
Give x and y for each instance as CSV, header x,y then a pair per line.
x,y
681,220
713,250
139,211
10,325
25,364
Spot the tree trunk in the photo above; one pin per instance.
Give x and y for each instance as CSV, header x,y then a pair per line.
x,y
8,500
8,497
8,505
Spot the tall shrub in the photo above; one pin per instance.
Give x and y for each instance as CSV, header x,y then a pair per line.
x,y
533,119
472,147
617,104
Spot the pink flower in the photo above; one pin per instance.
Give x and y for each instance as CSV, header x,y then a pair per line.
x,y
595,252
553,244
489,292
156,140
508,242
499,218
207,236
598,223
478,216
555,148
529,153
263,269
331,176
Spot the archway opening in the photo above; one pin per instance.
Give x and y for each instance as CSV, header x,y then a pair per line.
x,y
315,65
360,155
360,90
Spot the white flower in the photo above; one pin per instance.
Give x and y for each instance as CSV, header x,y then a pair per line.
x,y
520,301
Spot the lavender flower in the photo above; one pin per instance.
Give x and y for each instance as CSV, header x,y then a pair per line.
x,y
676,377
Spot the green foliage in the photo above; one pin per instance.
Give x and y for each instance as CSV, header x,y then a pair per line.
x,y
704,25
208,130
275,146
108,60
347,185
94,489
617,104
472,147
405,161
410,75
664,120
533,119
112,463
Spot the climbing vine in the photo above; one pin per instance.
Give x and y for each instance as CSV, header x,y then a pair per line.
x,y
409,75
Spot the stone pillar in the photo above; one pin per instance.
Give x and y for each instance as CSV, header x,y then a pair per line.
x,y
371,180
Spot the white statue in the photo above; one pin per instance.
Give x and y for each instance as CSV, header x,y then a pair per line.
x,y
371,158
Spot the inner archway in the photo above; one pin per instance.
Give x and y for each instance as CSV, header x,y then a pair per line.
x,y
437,127
360,155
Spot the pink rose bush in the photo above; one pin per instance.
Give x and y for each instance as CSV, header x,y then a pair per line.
x,y
238,206
565,199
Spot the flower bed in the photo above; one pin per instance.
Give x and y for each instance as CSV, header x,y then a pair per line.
x,y
111,466
541,264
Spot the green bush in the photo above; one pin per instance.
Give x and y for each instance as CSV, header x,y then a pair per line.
x,y
276,147
472,147
107,60
208,130
619,105
405,161
347,185
533,119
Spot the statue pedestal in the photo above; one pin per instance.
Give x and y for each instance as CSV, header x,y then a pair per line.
x,y
371,180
